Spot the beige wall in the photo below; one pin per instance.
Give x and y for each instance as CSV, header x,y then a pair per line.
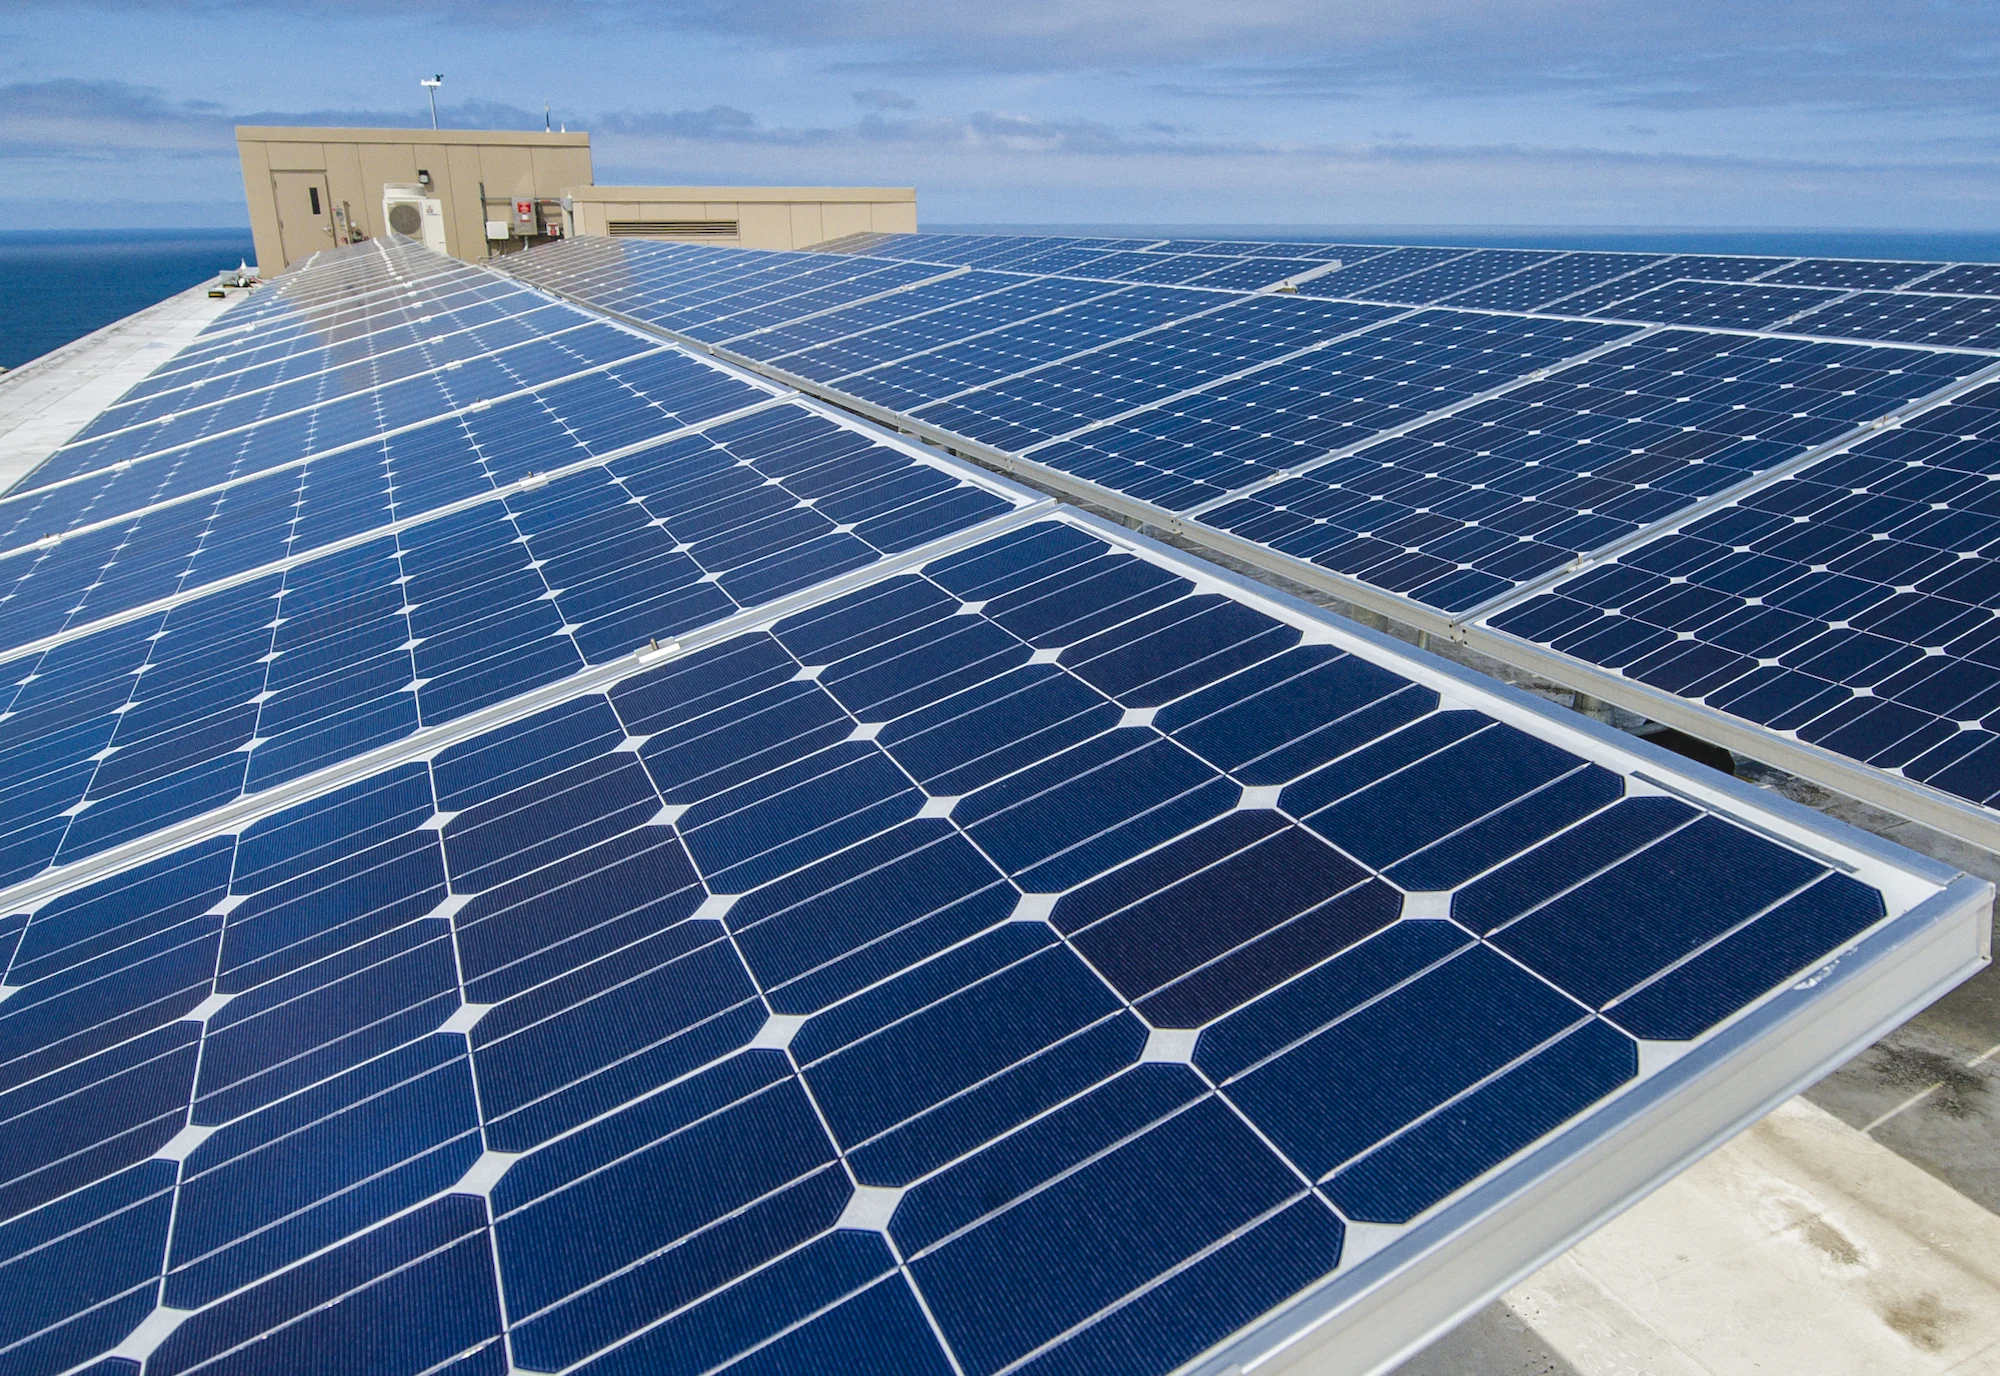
x,y
357,162
761,216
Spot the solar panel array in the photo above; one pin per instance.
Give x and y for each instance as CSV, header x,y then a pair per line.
x,y
1435,432
528,849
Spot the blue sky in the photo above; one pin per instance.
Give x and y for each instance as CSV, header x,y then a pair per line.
x,y
1546,112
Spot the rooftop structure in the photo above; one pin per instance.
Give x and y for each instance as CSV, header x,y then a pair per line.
x,y
482,193
550,837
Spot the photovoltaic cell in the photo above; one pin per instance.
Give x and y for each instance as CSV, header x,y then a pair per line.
x,y
911,323
1849,605
1062,397
946,370
878,952
1910,317
1449,278
1237,432
1551,280
533,431
335,403
774,341
1684,267
1465,508
1724,304
1028,951
1354,279
126,729
1976,279
1852,273
382,359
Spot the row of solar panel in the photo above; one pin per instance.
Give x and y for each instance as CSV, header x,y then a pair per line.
x,y
1850,605
403,383
571,375
112,733
1913,302
1229,410
854,947
1383,262
1457,512
270,506
475,322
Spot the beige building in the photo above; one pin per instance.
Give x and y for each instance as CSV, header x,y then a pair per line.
x,y
493,191
476,193
746,216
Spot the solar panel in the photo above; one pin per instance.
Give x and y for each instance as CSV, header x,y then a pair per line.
x,y
1458,511
179,546
1551,280
1483,489
138,721
1352,279
1251,274
990,355
1176,358
849,990
1248,428
1971,322
1685,267
640,871
1847,606
1449,278
1977,279
329,400
1848,273
915,327
1725,304
533,429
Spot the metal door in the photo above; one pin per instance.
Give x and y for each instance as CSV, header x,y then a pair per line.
x,y
305,213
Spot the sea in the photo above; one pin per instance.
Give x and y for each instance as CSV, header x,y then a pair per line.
x,y
58,285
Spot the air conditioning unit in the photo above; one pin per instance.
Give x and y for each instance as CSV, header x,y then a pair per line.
x,y
410,211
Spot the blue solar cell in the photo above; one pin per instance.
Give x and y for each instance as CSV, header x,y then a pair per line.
x,y
1231,434
1061,398
1455,275
945,371
1730,305
1356,278
1463,509
1909,317
1849,602
343,406
1552,279
775,341
227,692
578,895
903,337
1975,279
352,483
910,952
1683,268
1849,273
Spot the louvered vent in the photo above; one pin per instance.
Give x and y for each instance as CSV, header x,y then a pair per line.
x,y
673,229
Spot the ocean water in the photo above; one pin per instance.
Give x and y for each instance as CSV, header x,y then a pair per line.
x,y
57,285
